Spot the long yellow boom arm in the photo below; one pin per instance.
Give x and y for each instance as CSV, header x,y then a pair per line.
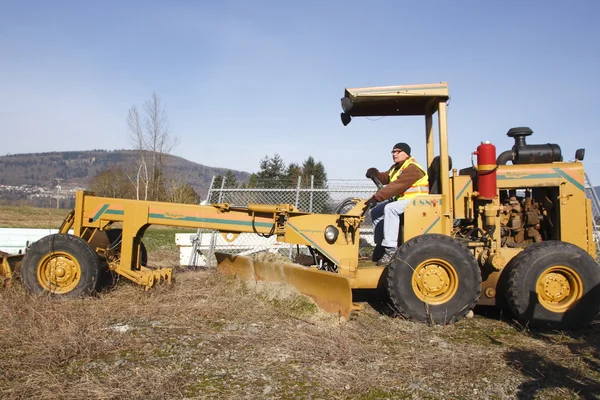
x,y
94,214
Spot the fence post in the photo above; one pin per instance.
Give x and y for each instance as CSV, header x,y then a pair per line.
x,y
210,189
312,188
194,254
296,204
298,191
213,238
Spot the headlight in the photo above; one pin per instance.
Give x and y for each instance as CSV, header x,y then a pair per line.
x,y
331,234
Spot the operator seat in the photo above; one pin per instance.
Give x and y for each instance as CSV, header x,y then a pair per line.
x,y
433,172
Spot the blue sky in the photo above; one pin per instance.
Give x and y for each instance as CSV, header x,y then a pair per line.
x,y
245,79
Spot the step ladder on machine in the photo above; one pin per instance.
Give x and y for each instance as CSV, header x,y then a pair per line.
x,y
591,194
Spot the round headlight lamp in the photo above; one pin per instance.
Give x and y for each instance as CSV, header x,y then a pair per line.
x,y
331,234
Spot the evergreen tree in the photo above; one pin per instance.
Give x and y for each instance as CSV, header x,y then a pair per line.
x,y
230,180
271,174
230,183
218,182
316,170
292,173
319,200
274,174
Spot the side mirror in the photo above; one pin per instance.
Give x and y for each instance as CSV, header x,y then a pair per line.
x,y
346,118
346,104
579,154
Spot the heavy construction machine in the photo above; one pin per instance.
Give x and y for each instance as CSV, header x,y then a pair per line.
x,y
494,233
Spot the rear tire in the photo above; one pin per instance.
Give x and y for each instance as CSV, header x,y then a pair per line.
x,y
60,264
553,284
433,278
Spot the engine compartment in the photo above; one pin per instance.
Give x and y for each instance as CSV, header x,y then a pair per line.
x,y
527,216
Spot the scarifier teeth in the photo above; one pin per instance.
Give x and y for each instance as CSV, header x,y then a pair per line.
x,y
156,276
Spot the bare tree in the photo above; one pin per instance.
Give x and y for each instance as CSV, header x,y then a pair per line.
x,y
179,191
151,138
137,138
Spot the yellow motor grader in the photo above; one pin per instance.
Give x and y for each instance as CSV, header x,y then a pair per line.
x,y
493,233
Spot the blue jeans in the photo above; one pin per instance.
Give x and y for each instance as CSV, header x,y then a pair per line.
x,y
386,233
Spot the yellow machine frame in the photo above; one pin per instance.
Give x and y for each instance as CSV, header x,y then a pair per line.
x,y
334,238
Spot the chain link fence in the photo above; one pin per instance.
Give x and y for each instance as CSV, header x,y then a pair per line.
x,y
590,192
305,196
198,250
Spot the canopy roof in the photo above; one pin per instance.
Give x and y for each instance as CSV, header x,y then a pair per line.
x,y
394,100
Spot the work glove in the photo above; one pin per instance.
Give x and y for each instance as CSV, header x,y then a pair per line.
x,y
372,202
372,173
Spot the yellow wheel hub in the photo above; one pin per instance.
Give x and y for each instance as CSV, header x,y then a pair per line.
x,y
58,272
558,288
435,281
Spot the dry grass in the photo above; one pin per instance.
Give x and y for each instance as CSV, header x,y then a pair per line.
x,y
31,217
211,336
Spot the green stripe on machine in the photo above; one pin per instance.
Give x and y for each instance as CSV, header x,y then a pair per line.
x,y
463,190
570,179
100,212
526,176
558,174
432,225
313,243
212,220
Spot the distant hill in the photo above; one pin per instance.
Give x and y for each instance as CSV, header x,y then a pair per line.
x,y
77,168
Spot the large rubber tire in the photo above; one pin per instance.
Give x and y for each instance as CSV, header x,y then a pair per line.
x,y
435,279
553,285
62,265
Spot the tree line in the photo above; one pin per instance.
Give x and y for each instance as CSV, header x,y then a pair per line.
x,y
279,183
273,173
148,176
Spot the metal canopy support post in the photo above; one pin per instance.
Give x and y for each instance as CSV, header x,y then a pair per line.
x,y
429,135
444,167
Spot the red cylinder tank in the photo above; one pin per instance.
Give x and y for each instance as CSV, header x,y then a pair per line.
x,y
486,170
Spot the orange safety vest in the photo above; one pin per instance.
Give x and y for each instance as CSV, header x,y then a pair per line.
x,y
418,188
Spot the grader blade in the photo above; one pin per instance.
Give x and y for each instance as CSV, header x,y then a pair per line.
x,y
329,291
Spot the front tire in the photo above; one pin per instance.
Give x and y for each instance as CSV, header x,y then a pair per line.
x,y
60,264
433,278
553,284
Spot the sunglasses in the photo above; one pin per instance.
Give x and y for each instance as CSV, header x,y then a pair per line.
x,y
396,151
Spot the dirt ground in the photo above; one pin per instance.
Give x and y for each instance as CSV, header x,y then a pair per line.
x,y
212,336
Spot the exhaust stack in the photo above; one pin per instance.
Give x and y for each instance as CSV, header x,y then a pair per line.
x,y
523,153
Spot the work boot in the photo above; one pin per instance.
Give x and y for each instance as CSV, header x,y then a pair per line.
x,y
388,256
